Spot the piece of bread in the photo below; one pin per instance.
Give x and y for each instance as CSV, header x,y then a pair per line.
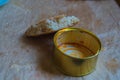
x,y
51,25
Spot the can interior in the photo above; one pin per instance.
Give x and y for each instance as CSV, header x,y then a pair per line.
x,y
77,43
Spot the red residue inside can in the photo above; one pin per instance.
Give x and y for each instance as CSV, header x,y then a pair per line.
x,y
75,50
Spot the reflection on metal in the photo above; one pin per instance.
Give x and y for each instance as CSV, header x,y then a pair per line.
x,y
76,51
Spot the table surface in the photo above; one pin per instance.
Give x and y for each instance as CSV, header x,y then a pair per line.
x,y
24,58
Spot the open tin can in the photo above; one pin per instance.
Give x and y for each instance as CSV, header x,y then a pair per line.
x,y
76,51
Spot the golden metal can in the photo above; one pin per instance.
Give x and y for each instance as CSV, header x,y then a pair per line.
x,y
76,51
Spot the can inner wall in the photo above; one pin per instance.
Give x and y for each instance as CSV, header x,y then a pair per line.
x,y
82,42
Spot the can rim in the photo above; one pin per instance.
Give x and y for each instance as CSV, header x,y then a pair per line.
x,y
80,29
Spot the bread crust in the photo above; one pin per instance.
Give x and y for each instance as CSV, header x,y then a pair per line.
x,y
42,28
